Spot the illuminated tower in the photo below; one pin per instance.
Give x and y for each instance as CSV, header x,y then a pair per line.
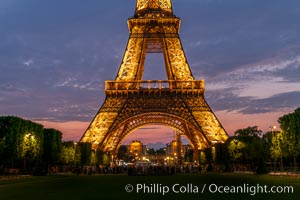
x,y
132,102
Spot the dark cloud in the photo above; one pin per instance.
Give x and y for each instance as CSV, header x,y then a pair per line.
x,y
229,34
290,74
228,100
280,102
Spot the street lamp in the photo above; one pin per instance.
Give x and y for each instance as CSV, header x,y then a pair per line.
x,y
273,127
75,147
272,132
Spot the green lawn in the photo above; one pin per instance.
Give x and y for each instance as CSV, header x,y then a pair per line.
x,y
106,187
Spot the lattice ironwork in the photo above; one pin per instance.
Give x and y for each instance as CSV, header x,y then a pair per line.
x,y
132,102
164,5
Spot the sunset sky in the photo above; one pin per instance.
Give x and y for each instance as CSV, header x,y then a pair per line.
x,y
56,54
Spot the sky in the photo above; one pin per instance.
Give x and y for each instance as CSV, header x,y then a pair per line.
x,y
56,54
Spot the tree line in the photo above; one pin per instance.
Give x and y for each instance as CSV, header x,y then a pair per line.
x,y
250,149
27,147
30,148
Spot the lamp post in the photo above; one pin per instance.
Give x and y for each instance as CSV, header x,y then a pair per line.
x,y
274,142
75,147
273,127
235,141
273,139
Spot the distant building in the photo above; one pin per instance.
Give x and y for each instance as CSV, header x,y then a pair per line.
x,y
185,148
173,153
173,148
176,148
136,148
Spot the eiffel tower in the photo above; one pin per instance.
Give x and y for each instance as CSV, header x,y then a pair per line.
x,y
132,102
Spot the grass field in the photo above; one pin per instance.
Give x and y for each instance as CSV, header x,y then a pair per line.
x,y
109,187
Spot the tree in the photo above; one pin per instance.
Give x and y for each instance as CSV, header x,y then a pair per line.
x,y
222,156
267,144
290,127
247,147
161,151
209,158
2,154
122,153
67,154
278,147
188,156
52,146
85,149
151,151
249,131
23,143
103,158
236,149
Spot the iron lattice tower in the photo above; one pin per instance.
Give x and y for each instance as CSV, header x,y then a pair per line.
x,y
132,102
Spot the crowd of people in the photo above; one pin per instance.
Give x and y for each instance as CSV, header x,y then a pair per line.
x,y
132,170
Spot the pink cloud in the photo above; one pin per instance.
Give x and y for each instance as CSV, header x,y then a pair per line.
x,y
233,121
73,130
151,134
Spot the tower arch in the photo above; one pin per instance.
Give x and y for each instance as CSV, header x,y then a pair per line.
x,y
120,132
